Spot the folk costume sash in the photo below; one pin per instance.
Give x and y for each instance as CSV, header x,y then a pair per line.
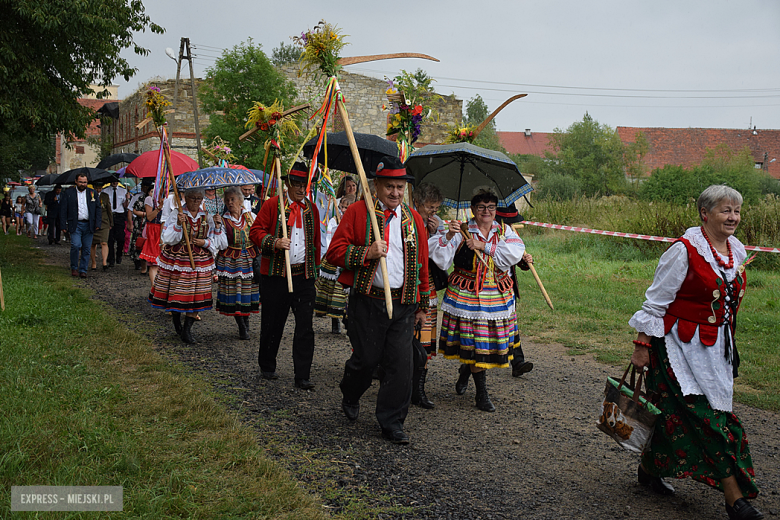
x,y
276,256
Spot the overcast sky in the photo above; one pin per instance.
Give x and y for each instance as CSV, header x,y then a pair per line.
x,y
711,64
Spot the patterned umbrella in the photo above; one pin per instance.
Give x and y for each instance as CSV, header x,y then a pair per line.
x,y
219,177
461,168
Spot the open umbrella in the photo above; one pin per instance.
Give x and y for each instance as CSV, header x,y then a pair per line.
x,y
218,177
146,164
117,158
93,174
461,168
371,148
47,180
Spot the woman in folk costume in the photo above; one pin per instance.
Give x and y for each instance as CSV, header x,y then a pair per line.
x,y
138,212
238,293
479,325
178,288
427,199
331,296
151,248
686,337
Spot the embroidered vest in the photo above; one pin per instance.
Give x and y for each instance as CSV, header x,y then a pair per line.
x,y
705,300
238,238
469,273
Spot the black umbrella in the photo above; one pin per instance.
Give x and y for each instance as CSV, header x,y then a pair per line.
x,y
116,159
371,148
459,169
47,180
93,174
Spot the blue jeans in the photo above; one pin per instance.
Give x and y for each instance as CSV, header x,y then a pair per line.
x,y
81,239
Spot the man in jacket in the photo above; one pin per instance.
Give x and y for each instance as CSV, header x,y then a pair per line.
x,y
80,215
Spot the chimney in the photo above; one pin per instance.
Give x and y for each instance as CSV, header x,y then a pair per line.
x,y
528,132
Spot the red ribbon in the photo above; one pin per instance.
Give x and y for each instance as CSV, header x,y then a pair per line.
x,y
296,214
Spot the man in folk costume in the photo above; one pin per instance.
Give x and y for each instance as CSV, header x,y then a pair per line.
x,y
376,338
303,229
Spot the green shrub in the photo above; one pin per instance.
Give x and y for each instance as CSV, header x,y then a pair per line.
x,y
556,186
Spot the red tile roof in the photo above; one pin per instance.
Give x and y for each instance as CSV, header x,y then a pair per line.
x,y
688,146
519,143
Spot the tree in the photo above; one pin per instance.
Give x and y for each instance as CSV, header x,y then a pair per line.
x,y
285,54
243,75
592,154
476,112
27,152
634,157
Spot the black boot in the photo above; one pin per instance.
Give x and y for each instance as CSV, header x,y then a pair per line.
x,y
463,379
177,322
186,331
242,332
483,399
418,389
335,327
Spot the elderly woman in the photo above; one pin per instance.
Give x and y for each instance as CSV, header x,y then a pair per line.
x,y
238,293
100,238
33,206
178,287
686,338
479,325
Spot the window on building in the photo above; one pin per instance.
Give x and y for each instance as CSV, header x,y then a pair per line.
x,y
758,165
79,150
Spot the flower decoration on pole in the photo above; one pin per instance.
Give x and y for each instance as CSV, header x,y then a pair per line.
x,y
461,134
273,124
321,46
155,104
410,99
219,152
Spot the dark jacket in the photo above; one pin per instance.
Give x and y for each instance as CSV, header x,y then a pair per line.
x,y
69,210
52,203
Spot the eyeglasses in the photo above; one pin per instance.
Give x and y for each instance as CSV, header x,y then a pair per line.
x,y
482,208
298,185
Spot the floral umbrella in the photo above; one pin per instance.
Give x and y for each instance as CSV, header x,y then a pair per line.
x,y
219,177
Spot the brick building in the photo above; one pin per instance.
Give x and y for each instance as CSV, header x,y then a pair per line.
x,y
74,153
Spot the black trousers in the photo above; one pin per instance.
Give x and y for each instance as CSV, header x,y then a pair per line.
x,y
377,339
276,302
117,237
54,232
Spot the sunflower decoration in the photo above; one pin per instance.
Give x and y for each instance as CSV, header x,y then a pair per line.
x,y
461,134
272,124
321,46
219,152
155,105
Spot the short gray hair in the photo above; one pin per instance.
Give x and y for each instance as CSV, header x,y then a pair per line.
x,y
194,191
233,191
427,193
715,194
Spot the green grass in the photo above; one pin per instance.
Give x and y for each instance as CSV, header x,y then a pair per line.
x,y
596,284
85,402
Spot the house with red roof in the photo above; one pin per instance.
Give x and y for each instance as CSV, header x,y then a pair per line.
x,y
525,143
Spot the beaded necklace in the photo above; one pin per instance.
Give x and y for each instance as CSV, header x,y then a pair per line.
x,y
715,253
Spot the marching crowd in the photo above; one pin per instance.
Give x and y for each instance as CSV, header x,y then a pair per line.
x,y
279,255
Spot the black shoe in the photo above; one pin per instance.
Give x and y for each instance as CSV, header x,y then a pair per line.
x,y
522,368
110,265
136,264
463,380
269,375
119,260
186,330
657,484
242,332
335,327
304,384
105,268
742,510
418,389
177,322
350,410
483,398
395,436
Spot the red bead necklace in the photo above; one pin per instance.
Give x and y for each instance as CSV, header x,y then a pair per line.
x,y
715,253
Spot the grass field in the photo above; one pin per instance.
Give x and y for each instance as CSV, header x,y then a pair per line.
x,y
596,284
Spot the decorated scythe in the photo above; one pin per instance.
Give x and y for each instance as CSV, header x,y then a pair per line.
x,y
536,276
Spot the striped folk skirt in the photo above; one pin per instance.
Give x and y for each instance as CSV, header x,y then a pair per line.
x,y
179,288
331,300
238,294
478,328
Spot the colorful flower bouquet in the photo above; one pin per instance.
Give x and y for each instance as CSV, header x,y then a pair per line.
x,y
463,134
321,46
409,100
219,152
155,104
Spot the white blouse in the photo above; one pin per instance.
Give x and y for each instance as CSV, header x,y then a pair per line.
x,y
699,369
172,232
506,253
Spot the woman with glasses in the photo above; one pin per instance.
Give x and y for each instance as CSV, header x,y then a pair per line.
x,y
479,325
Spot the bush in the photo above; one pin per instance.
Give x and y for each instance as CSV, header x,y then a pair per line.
x,y
555,186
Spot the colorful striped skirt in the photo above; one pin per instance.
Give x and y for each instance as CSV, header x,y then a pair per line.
x,y
179,288
478,328
428,331
237,292
690,438
331,299
151,249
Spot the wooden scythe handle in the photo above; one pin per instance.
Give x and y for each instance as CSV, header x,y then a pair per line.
x,y
369,201
178,205
2,296
495,113
376,57
536,276
277,166
464,230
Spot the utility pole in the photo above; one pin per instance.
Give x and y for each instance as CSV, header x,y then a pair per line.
x,y
185,53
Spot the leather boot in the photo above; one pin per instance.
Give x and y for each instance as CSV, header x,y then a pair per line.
x,y
463,379
246,322
335,326
242,332
177,322
418,389
483,399
186,331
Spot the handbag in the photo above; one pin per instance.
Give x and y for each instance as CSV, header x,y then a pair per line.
x,y
139,243
439,276
626,413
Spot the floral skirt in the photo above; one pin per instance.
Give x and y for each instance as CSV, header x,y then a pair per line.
x,y
179,288
331,299
237,292
151,249
138,229
690,438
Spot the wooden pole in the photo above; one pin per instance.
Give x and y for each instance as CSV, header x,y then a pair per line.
x,y
277,167
369,200
2,296
536,276
464,231
178,201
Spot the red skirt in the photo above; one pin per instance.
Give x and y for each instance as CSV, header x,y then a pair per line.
x,y
151,249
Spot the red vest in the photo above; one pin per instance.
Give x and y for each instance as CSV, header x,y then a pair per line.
x,y
701,300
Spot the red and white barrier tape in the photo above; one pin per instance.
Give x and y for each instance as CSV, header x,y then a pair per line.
x,y
633,235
